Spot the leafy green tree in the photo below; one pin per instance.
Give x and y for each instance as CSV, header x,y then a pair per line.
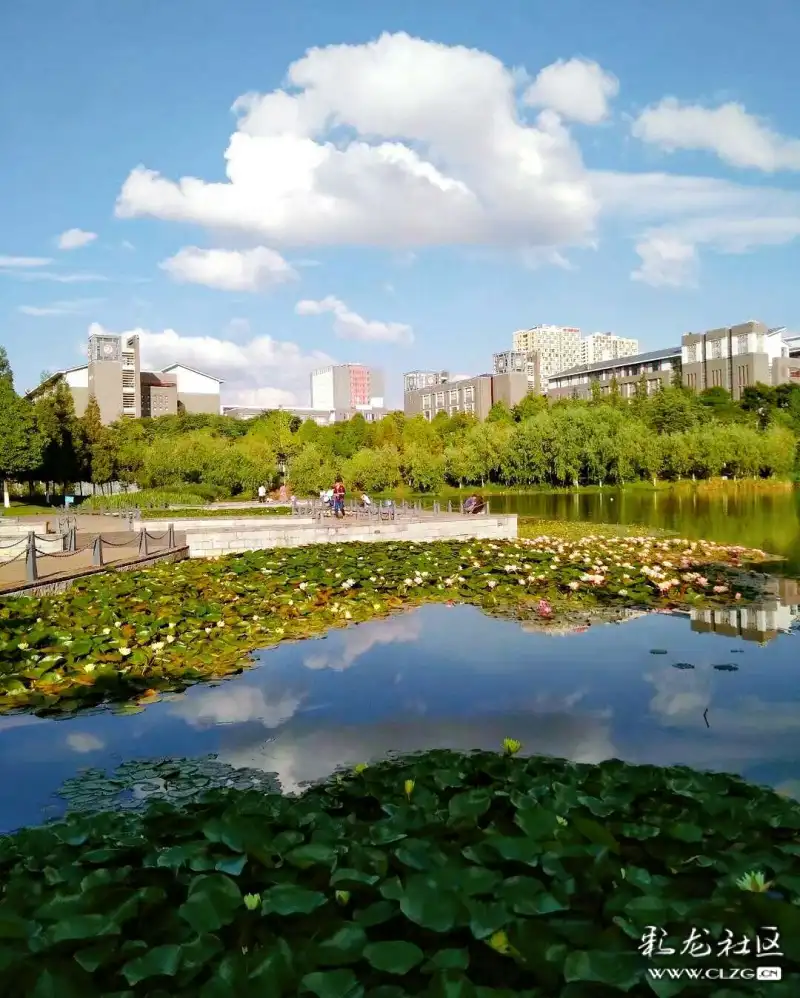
x,y
58,427
312,471
499,413
424,471
530,406
20,451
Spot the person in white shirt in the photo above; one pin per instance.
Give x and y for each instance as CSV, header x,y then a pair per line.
x,y
262,493
366,502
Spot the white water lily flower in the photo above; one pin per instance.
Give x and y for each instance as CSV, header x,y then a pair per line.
x,y
157,645
124,650
106,630
170,639
23,645
303,586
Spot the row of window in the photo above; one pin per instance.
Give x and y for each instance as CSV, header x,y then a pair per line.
x,y
454,410
452,397
714,348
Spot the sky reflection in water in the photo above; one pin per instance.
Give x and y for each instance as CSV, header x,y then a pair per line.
x,y
454,677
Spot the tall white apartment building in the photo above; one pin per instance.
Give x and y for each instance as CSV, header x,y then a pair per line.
x,y
558,347
347,386
606,346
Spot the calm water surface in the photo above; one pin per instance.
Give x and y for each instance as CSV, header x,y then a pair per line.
x,y
770,521
451,676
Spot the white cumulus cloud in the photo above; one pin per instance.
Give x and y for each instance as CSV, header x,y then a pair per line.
x,y
259,370
348,325
577,89
666,261
230,270
403,143
399,142
75,238
76,306
729,131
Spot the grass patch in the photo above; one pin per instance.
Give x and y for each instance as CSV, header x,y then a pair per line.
x,y
481,875
126,637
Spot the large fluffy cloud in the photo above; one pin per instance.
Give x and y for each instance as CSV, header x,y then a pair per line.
x,y
230,270
728,131
403,143
578,89
257,370
396,142
349,325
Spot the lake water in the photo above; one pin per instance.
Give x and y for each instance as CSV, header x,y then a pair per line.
x,y
723,694
770,521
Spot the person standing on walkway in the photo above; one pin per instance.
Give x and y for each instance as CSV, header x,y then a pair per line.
x,y
262,493
338,497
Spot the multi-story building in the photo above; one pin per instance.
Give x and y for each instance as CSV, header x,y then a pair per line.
x,y
522,363
657,366
344,387
122,389
735,358
414,380
598,347
793,343
471,395
558,347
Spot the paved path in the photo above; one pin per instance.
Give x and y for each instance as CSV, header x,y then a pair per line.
x,y
120,546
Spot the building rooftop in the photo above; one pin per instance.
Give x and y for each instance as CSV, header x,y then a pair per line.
x,y
605,365
194,370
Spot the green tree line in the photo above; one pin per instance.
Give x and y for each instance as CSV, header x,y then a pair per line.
x,y
671,434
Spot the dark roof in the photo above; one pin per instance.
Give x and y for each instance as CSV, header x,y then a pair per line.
x,y
607,365
158,379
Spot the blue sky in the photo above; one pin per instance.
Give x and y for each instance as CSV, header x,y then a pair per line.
x,y
480,168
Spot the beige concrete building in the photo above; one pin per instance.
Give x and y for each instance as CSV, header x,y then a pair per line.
x,y
471,395
657,366
510,361
737,357
114,377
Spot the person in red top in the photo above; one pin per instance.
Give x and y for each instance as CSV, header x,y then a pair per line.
x,y
338,497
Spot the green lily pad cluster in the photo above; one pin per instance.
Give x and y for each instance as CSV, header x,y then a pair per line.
x,y
127,637
483,875
137,783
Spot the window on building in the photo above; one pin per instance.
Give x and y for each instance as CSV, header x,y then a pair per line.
x,y
741,343
453,395
453,410
743,375
469,407
439,400
426,401
469,394
427,414
716,349
691,353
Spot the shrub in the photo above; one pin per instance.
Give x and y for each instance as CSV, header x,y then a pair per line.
x,y
186,495
481,875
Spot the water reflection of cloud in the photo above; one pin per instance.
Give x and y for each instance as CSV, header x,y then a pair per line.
x,y
300,755
680,694
235,704
82,742
357,641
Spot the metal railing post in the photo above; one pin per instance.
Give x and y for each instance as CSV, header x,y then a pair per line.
x,y
31,568
73,539
449,505
143,543
97,551
171,536
486,508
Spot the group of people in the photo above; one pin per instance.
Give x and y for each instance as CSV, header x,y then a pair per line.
x,y
333,499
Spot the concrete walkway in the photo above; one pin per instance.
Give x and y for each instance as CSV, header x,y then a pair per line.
x,y
119,547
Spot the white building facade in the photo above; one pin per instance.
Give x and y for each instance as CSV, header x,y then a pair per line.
x,y
599,347
558,347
